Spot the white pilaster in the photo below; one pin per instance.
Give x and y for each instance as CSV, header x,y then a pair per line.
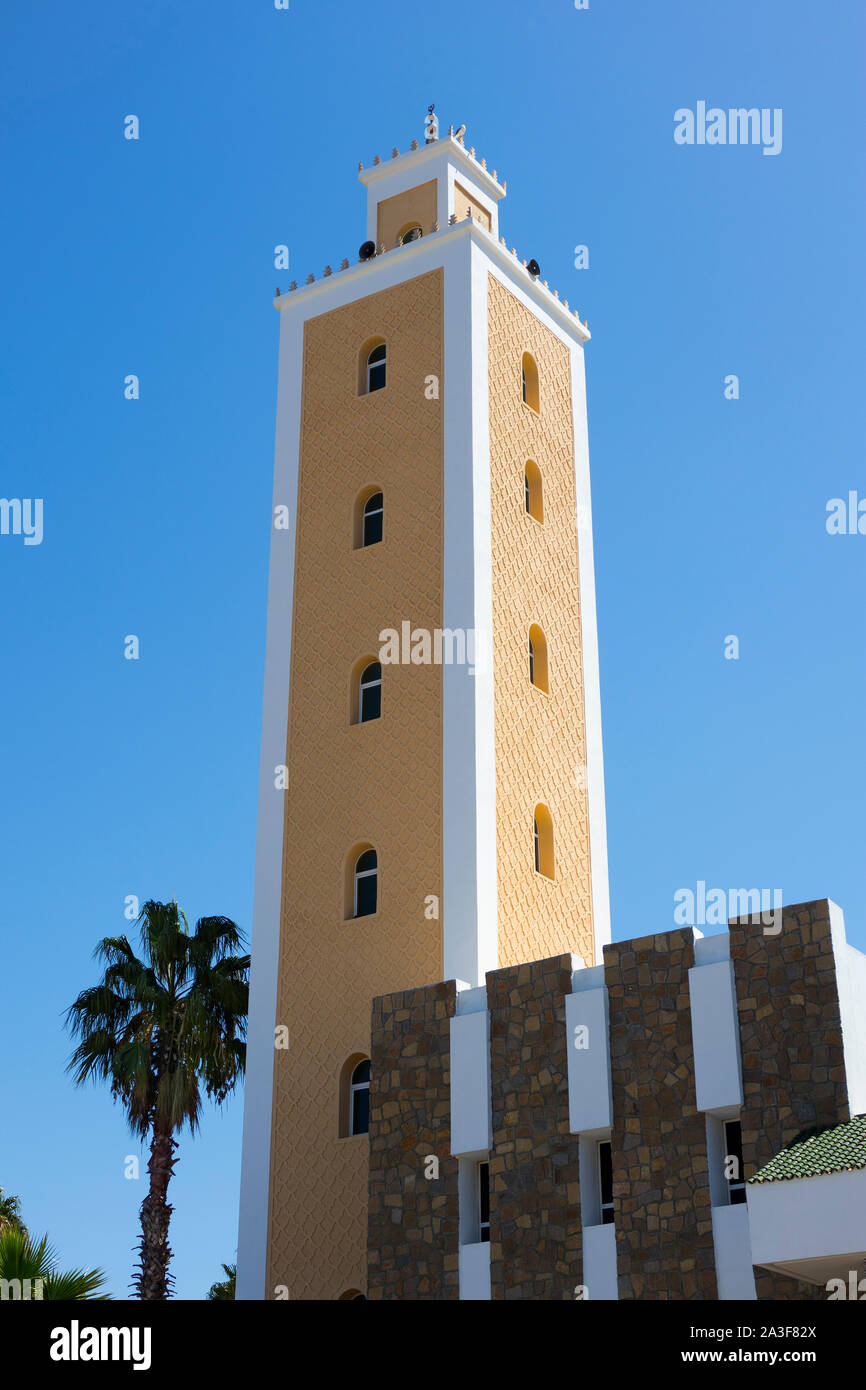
x,y
468,754
258,1090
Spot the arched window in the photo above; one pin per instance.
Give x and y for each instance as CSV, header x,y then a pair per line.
x,y
365,703
368,517
359,1099
370,693
529,381
373,369
354,1097
352,1296
538,658
365,884
532,491
542,837
373,517
410,233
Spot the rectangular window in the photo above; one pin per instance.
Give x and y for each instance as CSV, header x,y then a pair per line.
x,y
734,1162
373,526
371,701
605,1182
376,375
361,1111
484,1201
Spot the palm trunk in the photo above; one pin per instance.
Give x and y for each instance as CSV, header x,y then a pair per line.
x,y
153,1279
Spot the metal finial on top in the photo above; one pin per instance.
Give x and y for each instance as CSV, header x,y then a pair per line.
x,y
431,126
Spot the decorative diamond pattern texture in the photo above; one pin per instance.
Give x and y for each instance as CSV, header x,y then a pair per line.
x,y
540,738
377,783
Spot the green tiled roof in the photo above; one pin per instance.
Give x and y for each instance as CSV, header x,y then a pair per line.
x,y
836,1150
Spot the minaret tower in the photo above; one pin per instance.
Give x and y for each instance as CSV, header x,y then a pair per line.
x,y
438,815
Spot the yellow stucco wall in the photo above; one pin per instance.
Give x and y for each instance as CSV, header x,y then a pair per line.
x,y
379,782
464,201
540,738
415,205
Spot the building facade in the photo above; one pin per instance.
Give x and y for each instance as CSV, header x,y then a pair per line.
x,y
457,1087
431,792
678,1122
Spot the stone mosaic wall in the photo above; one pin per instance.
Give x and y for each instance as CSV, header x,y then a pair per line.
x,y
790,1043
793,1078
535,1233
413,1220
664,1229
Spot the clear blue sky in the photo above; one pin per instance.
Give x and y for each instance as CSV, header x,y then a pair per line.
x,y
156,258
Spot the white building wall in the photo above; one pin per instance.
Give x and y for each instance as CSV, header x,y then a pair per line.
x,y
474,1269
258,1087
851,984
590,1104
808,1218
715,1036
734,1275
471,1122
599,1263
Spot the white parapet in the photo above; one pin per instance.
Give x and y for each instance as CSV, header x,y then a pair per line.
x,y
815,1224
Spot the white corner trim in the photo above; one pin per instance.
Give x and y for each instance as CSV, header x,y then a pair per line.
x,y
589,647
485,722
258,1091
468,763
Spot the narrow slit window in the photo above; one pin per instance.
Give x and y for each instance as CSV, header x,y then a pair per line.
x,y
359,1099
605,1181
374,514
484,1201
734,1162
542,839
376,368
370,693
529,381
532,492
366,884
538,659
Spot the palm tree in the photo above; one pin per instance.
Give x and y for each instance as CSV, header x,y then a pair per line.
x,y
10,1213
225,1288
158,1030
22,1258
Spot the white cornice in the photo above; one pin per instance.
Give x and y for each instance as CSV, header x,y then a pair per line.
x,y
427,154
379,268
